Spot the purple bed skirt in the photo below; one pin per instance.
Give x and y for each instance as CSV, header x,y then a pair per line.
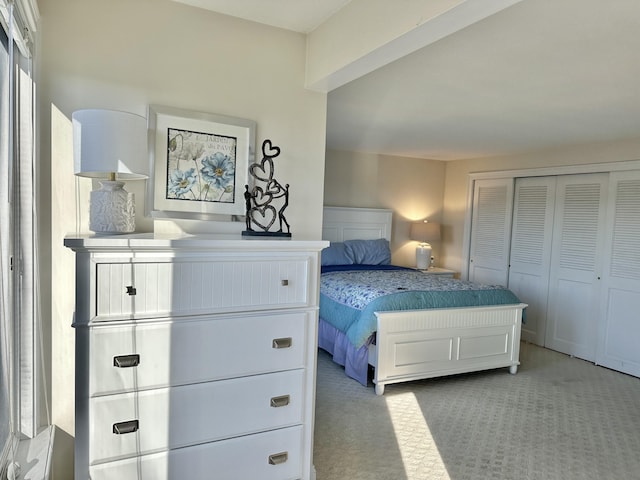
x,y
355,361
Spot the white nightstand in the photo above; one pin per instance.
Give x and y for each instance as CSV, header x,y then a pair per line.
x,y
439,271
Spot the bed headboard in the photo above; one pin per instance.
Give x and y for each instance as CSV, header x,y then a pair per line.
x,y
347,223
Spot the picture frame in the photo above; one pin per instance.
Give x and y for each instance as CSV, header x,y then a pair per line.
x,y
199,163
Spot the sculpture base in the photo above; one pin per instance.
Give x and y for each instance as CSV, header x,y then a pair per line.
x,y
254,233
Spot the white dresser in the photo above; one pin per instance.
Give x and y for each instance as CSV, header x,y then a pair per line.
x,y
195,357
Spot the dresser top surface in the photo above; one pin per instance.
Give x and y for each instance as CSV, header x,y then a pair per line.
x,y
151,241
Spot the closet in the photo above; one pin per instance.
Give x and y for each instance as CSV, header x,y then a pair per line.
x,y
569,246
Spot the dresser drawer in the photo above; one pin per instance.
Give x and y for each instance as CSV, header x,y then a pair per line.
x,y
146,290
275,455
128,357
148,421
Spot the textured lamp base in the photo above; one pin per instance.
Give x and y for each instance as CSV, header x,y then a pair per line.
x,y
112,209
423,257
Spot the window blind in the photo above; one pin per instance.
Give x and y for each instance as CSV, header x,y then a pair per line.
x,y
19,373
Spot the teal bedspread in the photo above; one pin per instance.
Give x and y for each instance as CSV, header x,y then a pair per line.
x,y
349,299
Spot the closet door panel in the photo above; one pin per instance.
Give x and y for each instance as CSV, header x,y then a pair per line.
x,y
530,257
491,231
576,263
573,328
619,334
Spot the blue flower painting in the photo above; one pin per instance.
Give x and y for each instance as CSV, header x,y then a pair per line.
x,y
201,166
182,182
218,171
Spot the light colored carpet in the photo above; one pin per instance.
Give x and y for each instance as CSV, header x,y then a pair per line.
x,y
557,418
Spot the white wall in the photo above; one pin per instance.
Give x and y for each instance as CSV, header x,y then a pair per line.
x,y
127,54
437,190
413,188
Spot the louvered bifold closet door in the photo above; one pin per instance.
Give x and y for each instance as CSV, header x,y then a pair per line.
x,y
576,264
491,231
619,339
530,258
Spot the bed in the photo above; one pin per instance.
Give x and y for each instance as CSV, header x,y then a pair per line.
x,y
410,325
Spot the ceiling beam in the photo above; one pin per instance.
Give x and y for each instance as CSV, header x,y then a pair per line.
x,y
368,34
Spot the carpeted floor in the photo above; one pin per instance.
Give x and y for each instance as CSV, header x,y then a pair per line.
x,y
557,418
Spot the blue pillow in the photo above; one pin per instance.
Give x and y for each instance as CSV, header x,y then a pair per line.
x,y
369,252
335,254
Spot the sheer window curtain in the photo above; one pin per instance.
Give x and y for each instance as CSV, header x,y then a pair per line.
x,y
21,380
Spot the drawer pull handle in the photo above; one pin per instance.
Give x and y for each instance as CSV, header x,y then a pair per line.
x,y
125,427
131,290
282,401
284,283
282,342
278,458
126,361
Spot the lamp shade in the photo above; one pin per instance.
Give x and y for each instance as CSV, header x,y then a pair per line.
x,y
425,232
108,141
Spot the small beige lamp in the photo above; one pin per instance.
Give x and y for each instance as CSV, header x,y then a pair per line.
x,y
424,232
110,146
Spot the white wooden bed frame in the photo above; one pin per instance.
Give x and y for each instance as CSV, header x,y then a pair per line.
x,y
417,344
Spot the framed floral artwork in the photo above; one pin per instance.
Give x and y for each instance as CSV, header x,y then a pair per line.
x,y
199,163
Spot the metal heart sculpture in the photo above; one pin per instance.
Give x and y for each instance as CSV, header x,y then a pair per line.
x,y
268,147
262,171
261,198
274,189
263,217
259,201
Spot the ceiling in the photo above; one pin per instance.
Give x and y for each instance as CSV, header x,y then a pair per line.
x,y
298,15
540,74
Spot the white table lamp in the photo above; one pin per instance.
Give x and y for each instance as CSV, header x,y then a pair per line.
x,y
424,232
110,146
